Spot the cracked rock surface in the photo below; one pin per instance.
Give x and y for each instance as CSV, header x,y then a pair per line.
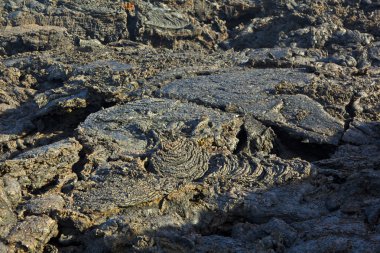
x,y
189,126
253,92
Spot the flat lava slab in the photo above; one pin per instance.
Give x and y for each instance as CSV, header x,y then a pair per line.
x,y
254,92
138,128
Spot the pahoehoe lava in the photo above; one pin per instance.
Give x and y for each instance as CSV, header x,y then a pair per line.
x,y
189,126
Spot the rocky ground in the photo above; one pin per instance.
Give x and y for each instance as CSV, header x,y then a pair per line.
x,y
190,126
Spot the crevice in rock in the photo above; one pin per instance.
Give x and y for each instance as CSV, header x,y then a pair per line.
x,y
70,233
61,124
220,224
147,164
288,147
243,140
79,166
244,18
4,148
350,111
47,187
65,122
54,126
132,23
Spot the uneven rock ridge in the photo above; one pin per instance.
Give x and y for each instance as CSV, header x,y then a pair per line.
x,y
190,126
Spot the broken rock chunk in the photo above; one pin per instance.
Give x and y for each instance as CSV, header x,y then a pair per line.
x,y
41,166
32,38
32,233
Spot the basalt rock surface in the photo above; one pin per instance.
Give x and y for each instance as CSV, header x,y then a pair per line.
x,y
253,92
189,126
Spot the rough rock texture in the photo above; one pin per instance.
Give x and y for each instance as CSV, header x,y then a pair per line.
x,y
189,126
252,92
40,166
32,234
32,38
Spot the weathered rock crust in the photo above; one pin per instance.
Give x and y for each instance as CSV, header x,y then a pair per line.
x,y
189,126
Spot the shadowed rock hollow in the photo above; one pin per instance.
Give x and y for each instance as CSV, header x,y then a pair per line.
x,y
190,126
